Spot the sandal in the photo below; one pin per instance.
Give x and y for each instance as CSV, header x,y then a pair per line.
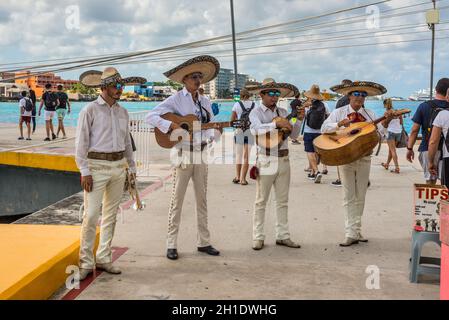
x,y
244,183
385,165
396,170
325,172
236,181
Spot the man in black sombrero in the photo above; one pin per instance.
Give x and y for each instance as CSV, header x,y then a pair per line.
x,y
192,74
103,153
355,176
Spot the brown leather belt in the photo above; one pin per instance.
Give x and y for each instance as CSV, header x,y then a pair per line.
x,y
113,156
280,153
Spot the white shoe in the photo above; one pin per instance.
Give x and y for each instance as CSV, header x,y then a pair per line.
x,y
109,268
84,273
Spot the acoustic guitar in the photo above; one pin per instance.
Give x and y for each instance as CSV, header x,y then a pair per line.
x,y
350,144
274,139
170,139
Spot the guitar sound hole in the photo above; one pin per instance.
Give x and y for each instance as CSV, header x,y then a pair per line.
x,y
185,126
354,132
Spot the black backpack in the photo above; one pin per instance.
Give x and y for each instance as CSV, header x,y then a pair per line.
x,y
51,100
316,115
435,111
28,105
62,100
246,112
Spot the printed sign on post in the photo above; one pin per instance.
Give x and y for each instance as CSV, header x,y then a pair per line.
x,y
444,222
427,207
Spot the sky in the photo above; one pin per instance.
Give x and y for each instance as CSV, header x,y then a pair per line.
x,y
33,30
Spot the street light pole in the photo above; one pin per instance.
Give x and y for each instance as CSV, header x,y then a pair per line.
x,y
234,44
432,60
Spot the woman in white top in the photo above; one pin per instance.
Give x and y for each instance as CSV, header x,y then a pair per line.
x,y
394,128
242,139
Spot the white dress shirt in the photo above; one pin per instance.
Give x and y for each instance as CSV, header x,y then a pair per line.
x,y
102,128
182,104
261,119
330,125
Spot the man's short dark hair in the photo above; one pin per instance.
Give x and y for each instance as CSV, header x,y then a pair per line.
x,y
60,87
442,86
48,86
24,94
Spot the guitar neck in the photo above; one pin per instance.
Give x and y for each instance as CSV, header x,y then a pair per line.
x,y
214,125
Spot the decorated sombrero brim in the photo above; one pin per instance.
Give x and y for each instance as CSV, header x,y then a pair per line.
x,y
96,79
207,65
371,88
287,90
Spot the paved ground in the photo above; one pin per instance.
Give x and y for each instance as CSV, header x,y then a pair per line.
x,y
320,270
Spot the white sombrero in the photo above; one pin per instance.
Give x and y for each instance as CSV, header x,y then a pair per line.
x,y
371,88
287,90
208,66
95,79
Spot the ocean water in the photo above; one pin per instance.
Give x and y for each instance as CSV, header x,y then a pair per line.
x,y
9,112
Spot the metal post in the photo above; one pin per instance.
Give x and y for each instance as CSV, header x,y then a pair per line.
x,y
432,27
234,44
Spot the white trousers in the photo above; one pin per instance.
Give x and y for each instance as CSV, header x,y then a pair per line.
x,y
273,172
109,180
355,178
181,177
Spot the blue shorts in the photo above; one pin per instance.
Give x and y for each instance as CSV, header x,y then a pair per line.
x,y
394,136
308,141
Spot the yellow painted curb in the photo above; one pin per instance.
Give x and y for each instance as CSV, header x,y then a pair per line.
x,y
34,259
39,160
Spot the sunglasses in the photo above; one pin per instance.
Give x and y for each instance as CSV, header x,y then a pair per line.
x,y
119,86
359,94
272,93
196,76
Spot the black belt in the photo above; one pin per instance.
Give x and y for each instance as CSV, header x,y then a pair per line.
x,y
113,156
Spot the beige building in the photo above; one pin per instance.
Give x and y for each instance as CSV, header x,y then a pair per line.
x,y
223,85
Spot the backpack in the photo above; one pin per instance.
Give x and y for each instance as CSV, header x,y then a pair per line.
x,y
435,111
62,100
246,112
51,101
28,105
316,115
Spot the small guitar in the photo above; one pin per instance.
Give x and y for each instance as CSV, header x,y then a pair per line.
x,y
350,144
169,140
275,138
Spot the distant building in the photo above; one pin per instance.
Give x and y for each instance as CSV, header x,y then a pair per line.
x,y
38,82
163,91
145,90
223,85
12,90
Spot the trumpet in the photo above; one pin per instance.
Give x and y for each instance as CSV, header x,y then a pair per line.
x,y
131,187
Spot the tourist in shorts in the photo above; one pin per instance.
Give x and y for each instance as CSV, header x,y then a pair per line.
x,y
62,109
394,128
51,101
26,109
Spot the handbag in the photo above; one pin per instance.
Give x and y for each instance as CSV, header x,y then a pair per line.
x,y
254,173
404,139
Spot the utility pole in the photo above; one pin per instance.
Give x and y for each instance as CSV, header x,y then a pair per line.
x,y
234,46
433,18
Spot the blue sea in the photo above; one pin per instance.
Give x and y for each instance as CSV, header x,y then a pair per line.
x,y
9,111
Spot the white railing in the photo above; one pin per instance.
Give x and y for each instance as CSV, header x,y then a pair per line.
x,y
141,132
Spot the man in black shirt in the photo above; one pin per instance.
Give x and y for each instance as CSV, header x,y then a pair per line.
x,y
62,110
51,101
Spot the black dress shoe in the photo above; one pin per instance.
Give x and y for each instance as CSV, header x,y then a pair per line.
x,y
209,250
172,254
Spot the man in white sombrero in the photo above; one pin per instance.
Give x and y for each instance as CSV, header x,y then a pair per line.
x,y
273,164
103,153
188,101
355,176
